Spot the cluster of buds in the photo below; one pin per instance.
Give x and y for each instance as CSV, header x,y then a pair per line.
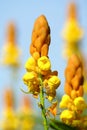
x,y
74,77
38,66
11,52
72,33
73,101
40,38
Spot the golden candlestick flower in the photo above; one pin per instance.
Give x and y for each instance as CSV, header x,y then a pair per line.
x,y
10,120
40,79
72,32
73,102
11,52
26,114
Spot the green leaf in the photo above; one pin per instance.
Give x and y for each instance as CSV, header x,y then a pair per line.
x,y
57,125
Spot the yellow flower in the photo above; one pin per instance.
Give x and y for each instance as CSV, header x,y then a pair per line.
x,y
72,32
10,120
44,63
67,115
11,55
32,82
30,64
51,85
80,103
29,77
65,101
27,123
54,82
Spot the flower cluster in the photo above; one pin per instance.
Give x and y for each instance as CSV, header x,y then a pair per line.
x,y
38,66
13,120
72,33
11,52
73,101
40,40
26,114
9,118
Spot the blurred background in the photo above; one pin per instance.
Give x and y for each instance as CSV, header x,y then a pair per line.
x,y
22,14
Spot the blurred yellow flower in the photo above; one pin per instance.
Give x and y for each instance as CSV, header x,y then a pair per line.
x,y
11,52
72,32
65,101
26,114
11,55
10,120
80,103
27,123
67,115
44,63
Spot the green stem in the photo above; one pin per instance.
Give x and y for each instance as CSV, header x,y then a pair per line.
x,y
43,105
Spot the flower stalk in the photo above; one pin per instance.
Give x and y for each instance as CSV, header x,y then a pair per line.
x,y
42,104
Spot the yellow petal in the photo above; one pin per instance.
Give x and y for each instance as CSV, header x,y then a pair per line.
x,y
54,81
29,76
30,64
44,63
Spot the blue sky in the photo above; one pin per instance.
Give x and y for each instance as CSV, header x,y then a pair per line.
x,y
24,13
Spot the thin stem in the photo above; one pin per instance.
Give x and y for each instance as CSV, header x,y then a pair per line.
x,y
42,103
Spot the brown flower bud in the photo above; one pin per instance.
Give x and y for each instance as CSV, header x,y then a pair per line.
x,y
40,38
68,88
75,82
69,73
74,59
79,72
73,94
80,92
